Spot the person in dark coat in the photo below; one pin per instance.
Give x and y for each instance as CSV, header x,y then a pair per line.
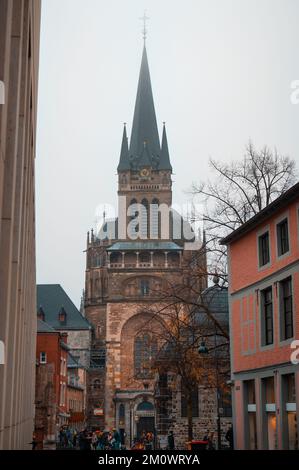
x,y
170,440
229,436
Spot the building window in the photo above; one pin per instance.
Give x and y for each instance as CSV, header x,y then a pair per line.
x,y
97,384
43,358
286,309
264,249
145,351
282,237
267,316
122,419
184,402
144,287
225,402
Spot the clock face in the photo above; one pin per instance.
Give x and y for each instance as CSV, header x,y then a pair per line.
x,y
144,172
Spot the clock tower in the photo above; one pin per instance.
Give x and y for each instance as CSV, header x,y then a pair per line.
x,y
126,276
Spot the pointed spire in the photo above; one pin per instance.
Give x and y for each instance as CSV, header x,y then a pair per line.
x,y
144,127
144,149
124,154
165,160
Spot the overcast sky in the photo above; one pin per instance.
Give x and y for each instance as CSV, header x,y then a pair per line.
x,y
221,74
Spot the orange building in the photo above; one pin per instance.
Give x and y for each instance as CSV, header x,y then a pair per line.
x,y
264,321
51,384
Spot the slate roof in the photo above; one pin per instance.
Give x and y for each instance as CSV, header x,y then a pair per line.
x,y
144,149
215,298
72,363
43,327
52,297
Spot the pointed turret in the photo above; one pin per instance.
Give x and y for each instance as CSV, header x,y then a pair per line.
x,y
165,160
124,154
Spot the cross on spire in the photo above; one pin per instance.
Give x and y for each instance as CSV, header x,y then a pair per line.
x,y
144,18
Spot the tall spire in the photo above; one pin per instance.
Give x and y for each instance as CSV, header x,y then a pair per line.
x,y
124,154
165,160
144,149
144,123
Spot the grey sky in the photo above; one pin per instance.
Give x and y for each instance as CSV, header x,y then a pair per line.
x,y
221,73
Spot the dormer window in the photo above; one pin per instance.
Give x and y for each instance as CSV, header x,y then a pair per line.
x,y
62,316
41,314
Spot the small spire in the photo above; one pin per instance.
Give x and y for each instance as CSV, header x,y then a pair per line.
x,y
165,160
124,153
88,238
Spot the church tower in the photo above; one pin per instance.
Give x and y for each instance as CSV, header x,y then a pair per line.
x,y
124,275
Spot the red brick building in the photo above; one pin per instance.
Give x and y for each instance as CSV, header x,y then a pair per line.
x,y
264,321
51,384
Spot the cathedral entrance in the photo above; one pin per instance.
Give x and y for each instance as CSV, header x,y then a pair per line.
x,y
145,418
145,424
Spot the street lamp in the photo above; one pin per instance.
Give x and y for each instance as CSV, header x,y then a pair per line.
x,y
204,350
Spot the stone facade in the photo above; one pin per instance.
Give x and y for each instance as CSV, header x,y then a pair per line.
x,y
19,57
126,273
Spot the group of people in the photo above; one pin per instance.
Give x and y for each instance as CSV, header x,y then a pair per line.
x,y
99,440
144,442
112,440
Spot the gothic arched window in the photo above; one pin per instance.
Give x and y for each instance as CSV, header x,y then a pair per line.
x,y
144,216
155,219
145,351
133,214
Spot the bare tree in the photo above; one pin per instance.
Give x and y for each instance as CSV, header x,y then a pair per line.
x,y
186,319
242,189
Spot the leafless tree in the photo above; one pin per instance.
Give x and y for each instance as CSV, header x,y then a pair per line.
x,y
186,320
240,190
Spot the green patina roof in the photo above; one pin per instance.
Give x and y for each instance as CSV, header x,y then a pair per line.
x,y
52,297
146,245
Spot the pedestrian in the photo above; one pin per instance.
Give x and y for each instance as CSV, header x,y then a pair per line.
x,y
211,441
94,441
170,439
34,442
116,440
229,436
75,436
149,441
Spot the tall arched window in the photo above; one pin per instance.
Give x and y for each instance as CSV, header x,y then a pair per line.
x,y
145,351
144,216
133,214
155,222
121,413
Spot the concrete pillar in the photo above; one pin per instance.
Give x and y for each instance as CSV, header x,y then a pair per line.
x,y
137,259
152,259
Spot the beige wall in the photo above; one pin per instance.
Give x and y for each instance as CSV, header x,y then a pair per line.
x,y
19,51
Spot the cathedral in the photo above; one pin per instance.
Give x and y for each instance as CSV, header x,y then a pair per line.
x,y
127,263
